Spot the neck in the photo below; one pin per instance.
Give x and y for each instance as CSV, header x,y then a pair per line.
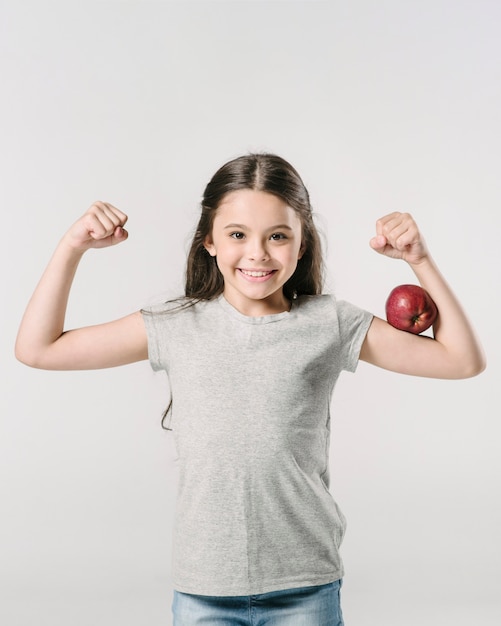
x,y
259,308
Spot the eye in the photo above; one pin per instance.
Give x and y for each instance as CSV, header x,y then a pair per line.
x,y
278,237
237,235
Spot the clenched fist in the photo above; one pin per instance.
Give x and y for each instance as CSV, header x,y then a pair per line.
x,y
100,226
398,237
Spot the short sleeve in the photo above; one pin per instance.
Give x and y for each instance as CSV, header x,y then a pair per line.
x,y
152,323
354,323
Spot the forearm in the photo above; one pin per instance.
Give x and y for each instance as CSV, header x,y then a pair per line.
x,y
452,328
43,321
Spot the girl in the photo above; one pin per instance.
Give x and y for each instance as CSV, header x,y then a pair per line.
x,y
252,353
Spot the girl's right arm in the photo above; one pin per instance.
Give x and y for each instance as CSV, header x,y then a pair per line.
x,y
42,341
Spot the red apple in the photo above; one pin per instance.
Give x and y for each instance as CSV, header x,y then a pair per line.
x,y
410,308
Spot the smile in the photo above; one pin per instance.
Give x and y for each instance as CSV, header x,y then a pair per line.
x,y
256,275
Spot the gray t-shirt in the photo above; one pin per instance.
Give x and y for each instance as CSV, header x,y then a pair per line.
x,y
251,420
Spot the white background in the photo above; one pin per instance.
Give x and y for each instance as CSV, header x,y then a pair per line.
x,y
381,106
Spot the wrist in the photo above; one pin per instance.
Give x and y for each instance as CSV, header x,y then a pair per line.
x,y
424,268
71,247
421,262
67,249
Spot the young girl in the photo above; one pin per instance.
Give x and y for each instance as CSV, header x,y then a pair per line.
x,y
252,354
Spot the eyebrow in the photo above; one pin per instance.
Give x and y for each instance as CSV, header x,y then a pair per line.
x,y
277,227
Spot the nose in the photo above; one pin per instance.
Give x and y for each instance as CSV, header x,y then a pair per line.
x,y
257,250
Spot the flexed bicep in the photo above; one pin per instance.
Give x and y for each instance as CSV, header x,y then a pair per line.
x,y
407,353
42,340
454,351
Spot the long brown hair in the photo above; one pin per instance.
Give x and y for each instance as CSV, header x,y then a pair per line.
x,y
259,172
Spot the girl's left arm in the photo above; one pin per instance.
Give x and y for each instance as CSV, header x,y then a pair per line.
x,y
454,351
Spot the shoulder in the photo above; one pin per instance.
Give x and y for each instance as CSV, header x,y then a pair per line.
x,y
327,304
179,311
174,324
177,306
327,310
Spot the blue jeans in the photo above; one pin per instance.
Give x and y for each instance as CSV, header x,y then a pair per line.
x,y
305,606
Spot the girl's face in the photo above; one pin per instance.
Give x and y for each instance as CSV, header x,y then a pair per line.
x,y
257,241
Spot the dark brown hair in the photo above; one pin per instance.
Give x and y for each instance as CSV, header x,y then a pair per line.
x,y
259,172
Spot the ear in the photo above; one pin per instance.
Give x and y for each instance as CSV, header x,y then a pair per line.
x,y
302,250
209,245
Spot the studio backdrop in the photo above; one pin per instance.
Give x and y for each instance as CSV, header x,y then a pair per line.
x,y
381,106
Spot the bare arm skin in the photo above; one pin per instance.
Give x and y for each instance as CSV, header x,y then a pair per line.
x,y
42,341
454,352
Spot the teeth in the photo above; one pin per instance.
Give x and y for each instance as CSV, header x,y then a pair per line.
x,y
255,274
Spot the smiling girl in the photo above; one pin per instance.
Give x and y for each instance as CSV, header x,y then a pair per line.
x,y
252,354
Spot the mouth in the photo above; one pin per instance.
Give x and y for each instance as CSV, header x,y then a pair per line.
x,y
256,275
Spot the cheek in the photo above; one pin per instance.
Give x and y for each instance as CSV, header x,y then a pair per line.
x,y
228,253
297,252
291,258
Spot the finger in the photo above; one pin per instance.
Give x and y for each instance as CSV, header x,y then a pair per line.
x,y
407,233
104,228
383,223
399,237
400,230
96,229
378,243
380,226
98,224
117,216
390,222
119,235
407,239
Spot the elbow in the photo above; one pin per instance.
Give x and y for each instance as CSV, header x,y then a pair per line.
x,y
480,366
27,356
19,353
473,367
24,358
